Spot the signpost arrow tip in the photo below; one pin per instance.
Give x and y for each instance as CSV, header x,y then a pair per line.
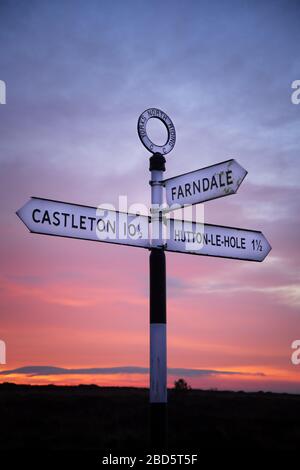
x,y
20,213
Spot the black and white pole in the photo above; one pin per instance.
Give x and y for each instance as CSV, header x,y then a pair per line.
x,y
158,334
158,299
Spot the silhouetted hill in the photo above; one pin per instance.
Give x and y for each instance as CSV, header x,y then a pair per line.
x,y
92,418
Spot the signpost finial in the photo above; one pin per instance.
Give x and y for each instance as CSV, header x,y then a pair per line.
x,y
142,131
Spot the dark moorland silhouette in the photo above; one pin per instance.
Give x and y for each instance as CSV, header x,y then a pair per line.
x,y
92,418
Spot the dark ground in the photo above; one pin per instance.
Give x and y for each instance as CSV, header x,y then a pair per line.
x,y
92,418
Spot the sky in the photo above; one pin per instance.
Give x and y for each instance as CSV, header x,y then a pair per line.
x,y
78,74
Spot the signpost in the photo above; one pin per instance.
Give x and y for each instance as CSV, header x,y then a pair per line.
x,y
48,217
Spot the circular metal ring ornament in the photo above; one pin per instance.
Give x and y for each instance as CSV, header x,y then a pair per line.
x,y
142,131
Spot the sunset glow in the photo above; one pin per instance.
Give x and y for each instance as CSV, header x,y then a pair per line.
x,y
75,86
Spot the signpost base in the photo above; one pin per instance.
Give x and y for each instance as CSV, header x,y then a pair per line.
x,y
158,426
